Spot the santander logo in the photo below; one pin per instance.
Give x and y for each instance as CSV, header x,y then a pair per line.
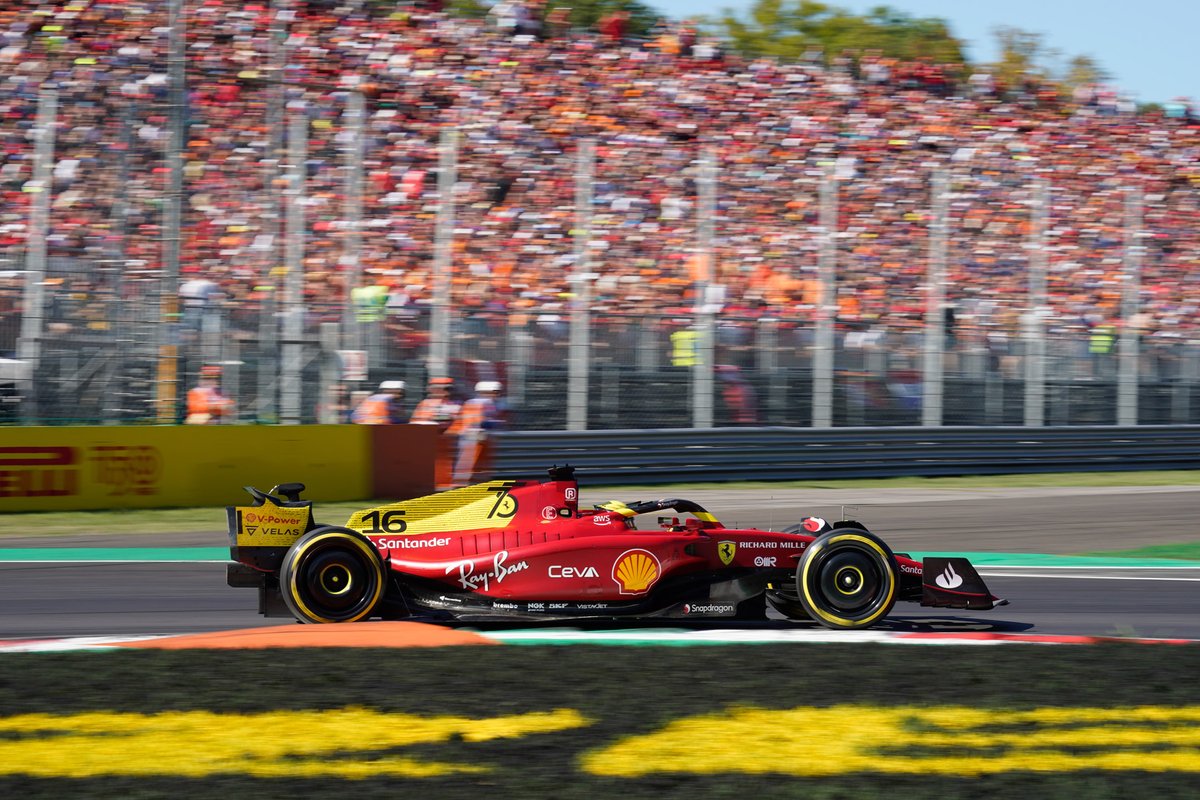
x,y
949,579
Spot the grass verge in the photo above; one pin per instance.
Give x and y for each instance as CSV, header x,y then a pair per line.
x,y
771,721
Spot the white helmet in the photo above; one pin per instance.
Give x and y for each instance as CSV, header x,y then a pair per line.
x,y
391,386
487,386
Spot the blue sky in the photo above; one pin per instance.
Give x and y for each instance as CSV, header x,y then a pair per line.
x,y
1148,46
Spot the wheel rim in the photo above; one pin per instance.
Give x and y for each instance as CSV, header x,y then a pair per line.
x,y
336,579
849,580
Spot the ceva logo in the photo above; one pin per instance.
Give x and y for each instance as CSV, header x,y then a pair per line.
x,y
559,571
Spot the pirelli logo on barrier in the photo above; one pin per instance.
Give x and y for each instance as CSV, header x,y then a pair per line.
x,y
126,469
118,470
81,467
39,471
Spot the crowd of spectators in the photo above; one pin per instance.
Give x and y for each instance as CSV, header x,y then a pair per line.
x,y
523,90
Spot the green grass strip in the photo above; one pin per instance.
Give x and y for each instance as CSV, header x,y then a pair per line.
x,y
1187,551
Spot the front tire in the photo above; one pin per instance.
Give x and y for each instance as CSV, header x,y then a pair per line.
x,y
332,575
847,579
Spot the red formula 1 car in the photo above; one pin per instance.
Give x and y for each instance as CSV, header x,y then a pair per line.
x,y
523,550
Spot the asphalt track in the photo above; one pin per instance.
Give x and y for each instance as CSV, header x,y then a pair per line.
x,y
54,599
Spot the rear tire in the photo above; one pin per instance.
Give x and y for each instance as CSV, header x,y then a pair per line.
x,y
785,602
847,579
332,575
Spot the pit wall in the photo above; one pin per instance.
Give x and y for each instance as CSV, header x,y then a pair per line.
x,y
108,467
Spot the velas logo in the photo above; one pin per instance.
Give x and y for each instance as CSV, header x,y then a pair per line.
x,y
635,571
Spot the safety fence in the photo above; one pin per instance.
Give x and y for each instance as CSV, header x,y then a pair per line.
x,y
771,454
640,372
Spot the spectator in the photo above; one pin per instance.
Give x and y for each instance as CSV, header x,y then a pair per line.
x,y
478,418
439,409
741,401
206,403
522,104
614,26
385,407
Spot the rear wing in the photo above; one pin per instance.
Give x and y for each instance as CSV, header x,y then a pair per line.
x,y
261,533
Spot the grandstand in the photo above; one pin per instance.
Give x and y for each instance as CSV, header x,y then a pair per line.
x,y
823,180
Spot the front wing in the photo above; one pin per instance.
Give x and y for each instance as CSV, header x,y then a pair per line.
x,y
954,583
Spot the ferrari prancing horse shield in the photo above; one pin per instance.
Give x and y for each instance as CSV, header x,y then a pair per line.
x,y
726,551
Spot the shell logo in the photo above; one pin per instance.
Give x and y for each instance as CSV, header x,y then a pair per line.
x,y
636,571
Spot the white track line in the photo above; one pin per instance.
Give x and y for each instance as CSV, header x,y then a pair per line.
x,y
1043,576
113,561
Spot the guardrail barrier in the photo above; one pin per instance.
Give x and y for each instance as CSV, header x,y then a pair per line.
x,y
773,454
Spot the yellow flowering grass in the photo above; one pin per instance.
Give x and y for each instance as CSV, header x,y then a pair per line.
x,y
347,743
933,740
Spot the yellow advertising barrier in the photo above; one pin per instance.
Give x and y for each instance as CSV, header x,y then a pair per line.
x,y
89,468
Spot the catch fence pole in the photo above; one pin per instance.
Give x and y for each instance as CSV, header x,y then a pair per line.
x,y
33,305
1127,386
826,312
703,314
353,119
1033,327
579,356
266,289
168,324
935,312
439,323
293,300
